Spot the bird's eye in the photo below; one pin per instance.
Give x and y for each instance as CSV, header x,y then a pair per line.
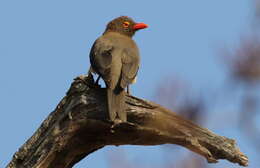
x,y
126,24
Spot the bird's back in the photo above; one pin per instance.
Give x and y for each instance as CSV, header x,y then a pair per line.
x,y
113,54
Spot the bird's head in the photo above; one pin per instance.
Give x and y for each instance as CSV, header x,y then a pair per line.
x,y
124,25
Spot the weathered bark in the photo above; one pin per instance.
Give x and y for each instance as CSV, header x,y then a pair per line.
x,y
79,126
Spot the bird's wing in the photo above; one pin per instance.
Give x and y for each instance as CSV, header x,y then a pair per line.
x,y
101,58
130,66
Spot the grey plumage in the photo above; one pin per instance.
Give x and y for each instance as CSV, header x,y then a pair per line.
x,y
115,57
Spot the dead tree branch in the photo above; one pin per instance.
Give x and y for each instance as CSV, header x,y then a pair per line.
x,y
79,126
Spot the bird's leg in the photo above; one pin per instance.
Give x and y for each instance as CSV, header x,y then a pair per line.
x,y
128,89
89,71
91,79
96,83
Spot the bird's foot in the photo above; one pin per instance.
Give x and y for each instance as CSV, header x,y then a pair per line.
x,y
116,122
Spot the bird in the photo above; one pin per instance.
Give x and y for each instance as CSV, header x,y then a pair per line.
x,y
115,57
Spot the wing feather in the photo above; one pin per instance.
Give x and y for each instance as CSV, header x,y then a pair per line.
x,y
130,66
101,58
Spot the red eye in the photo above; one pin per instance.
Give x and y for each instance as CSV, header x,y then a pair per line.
x,y
126,24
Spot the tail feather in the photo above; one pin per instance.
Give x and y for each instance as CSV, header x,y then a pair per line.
x,y
116,104
120,102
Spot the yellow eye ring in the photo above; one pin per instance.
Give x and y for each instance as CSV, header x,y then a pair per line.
x,y
126,24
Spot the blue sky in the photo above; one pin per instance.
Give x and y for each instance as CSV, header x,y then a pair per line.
x,y
45,44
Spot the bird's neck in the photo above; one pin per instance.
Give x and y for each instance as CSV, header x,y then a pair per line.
x,y
116,32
